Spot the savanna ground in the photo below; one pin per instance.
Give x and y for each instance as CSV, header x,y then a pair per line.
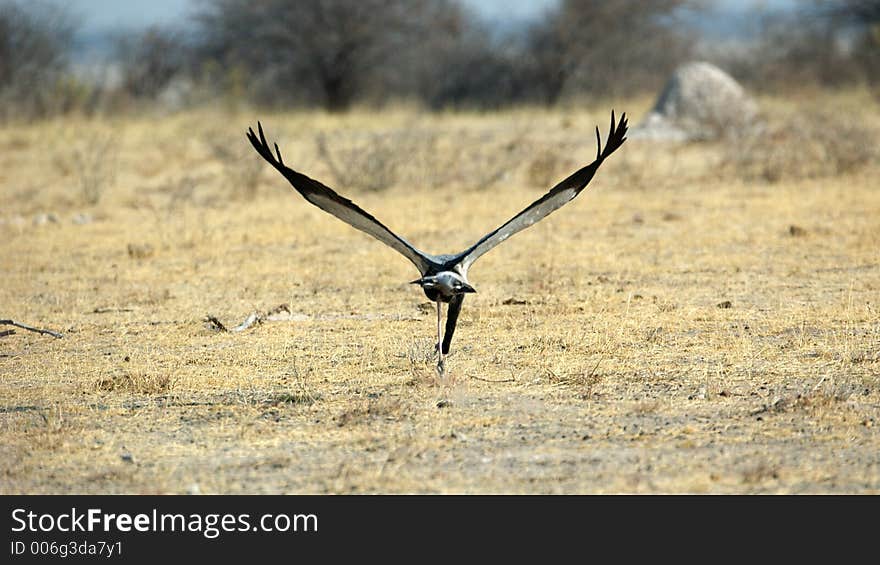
x,y
704,318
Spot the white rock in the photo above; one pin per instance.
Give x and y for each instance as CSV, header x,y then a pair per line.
x,y
700,102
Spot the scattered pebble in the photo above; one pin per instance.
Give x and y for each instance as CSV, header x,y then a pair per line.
x,y
140,250
725,304
127,457
796,231
82,219
44,218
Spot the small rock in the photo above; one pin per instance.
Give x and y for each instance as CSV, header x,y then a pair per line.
x,y
82,219
796,231
725,304
444,403
638,219
514,302
140,250
127,457
41,219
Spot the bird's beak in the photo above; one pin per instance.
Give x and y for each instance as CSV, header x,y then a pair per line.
x,y
468,288
417,281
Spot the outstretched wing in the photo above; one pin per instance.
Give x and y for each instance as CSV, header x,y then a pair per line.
x,y
326,199
451,319
556,198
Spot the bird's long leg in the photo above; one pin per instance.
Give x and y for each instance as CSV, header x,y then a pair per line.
x,y
441,365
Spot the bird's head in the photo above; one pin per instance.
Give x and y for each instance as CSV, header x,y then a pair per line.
x,y
446,283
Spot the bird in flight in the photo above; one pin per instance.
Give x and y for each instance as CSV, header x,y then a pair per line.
x,y
443,277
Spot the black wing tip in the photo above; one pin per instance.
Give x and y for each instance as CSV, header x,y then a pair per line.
x,y
616,135
258,140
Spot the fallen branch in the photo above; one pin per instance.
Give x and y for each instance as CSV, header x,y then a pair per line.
x,y
28,328
107,309
509,380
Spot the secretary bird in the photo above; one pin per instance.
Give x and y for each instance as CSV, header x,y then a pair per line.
x,y
443,277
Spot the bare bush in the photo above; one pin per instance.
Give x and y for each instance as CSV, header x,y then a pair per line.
x,y
812,144
94,161
241,171
368,162
420,157
544,169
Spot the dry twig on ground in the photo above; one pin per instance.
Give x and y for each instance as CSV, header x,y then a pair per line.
x,y
26,327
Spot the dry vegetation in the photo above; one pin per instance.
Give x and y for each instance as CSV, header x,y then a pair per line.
x,y
684,326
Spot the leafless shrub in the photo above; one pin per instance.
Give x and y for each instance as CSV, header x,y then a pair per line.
x,y
420,157
382,408
812,144
364,162
549,166
241,167
136,383
94,162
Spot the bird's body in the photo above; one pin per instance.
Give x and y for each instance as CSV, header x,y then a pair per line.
x,y
444,286
443,277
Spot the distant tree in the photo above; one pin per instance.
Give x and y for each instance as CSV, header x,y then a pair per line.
x,y
318,51
864,17
819,43
35,38
862,12
601,47
150,60
458,63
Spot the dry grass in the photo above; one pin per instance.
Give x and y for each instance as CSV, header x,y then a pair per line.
x,y
812,142
595,357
